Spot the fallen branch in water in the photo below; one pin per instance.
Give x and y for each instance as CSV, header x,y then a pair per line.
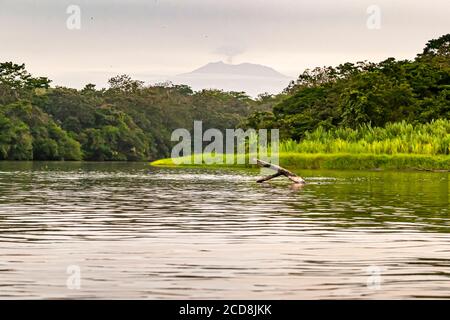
x,y
279,172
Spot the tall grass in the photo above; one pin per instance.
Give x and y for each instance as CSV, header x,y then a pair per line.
x,y
396,146
396,138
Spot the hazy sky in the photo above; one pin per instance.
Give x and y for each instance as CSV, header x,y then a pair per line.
x,y
155,38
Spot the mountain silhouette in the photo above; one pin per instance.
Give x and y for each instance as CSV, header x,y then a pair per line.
x,y
242,69
250,78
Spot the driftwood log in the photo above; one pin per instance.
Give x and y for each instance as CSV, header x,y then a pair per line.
x,y
279,172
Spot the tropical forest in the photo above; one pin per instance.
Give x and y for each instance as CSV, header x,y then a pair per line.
x,y
393,113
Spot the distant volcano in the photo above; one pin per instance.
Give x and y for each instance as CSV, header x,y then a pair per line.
x,y
243,69
248,77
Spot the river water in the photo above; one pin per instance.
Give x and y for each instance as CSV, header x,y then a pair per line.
x,y
127,230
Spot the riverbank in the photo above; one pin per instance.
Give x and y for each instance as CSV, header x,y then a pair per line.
x,y
344,161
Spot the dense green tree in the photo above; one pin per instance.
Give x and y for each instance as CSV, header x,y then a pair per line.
x,y
15,140
352,95
133,122
28,133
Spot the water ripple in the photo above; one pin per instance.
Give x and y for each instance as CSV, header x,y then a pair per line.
x,y
138,232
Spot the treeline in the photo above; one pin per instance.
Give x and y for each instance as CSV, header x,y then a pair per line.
x,y
353,95
126,122
133,122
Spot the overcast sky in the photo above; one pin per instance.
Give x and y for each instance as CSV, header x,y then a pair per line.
x,y
157,38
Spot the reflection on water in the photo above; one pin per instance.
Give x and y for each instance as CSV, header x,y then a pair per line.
x,y
141,232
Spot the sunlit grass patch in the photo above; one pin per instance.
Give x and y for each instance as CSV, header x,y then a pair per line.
x,y
342,161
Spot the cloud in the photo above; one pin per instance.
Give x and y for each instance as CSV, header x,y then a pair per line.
x,y
229,51
176,36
